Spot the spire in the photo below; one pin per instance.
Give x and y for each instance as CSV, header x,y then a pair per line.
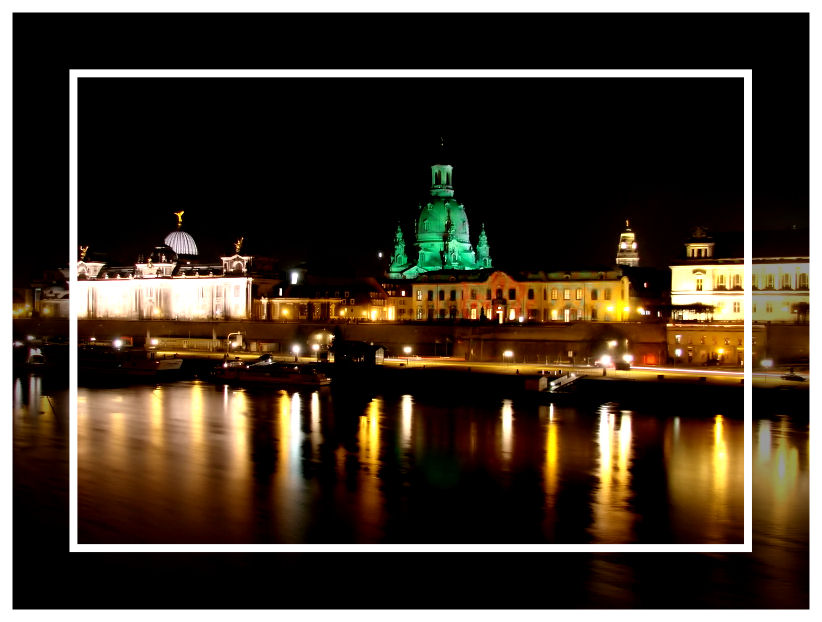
x,y
627,254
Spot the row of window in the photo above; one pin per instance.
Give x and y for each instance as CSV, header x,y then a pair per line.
x,y
785,281
769,281
578,294
726,340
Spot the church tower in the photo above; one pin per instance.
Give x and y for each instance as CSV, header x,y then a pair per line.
x,y
442,236
627,254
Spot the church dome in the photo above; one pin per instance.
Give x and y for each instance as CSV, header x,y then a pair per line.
x,y
181,243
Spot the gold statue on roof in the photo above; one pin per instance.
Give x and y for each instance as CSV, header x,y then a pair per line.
x,y
179,216
83,250
238,244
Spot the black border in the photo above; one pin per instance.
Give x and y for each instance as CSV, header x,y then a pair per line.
x,y
46,46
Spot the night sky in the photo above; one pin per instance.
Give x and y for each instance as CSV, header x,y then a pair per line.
x,y
324,169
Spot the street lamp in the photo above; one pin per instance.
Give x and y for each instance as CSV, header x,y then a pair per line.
x,y
407,350
296,350
316,348
508,354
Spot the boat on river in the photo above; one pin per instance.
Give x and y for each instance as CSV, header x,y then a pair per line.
x,y
271,374
102,361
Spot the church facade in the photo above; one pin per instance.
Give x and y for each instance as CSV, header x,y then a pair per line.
x,y
442,236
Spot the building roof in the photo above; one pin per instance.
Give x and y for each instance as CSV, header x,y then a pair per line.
x,y
181,242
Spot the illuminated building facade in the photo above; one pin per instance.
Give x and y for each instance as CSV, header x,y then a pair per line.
x,y
163,285
779,282
707,298
442,238
568,296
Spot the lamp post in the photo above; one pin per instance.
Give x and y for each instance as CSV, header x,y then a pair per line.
x,y
508,354
407,350
296,350
316,348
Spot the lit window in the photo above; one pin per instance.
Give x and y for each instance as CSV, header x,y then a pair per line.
x,y
473,314
769,280
419,294
737,281
553,294
802,281
402,293
566,294
699,285
786,281
579,293
512,314
768,307
678,338
737,307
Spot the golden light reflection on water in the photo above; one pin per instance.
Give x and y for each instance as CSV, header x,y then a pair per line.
x,y
612,518
507,426
551,457
197,425
368,437
720,472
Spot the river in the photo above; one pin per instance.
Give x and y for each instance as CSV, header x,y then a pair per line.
x,y
190,462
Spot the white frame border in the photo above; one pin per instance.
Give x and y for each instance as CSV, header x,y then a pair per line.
x,y
76,547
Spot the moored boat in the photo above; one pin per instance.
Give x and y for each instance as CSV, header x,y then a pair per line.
x,y
276,374
101,361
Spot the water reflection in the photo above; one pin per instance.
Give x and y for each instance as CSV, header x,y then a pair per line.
x,y
189,462
613,519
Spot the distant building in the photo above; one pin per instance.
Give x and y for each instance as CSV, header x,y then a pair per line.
x,y
627,251
442,237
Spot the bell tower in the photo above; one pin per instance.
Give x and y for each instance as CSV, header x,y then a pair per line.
x,y
627,254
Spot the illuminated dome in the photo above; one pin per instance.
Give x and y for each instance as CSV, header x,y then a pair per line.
x,y
181,243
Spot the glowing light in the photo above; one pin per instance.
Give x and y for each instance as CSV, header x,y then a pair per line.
x,y
154,342
117,343
315,347
92,338
285,312
521,319
612,343
507,427
611,308
627,309
294,276
373,315
767,363
605,360
678,352
508,354
628,358
295,349
720,351
407,350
